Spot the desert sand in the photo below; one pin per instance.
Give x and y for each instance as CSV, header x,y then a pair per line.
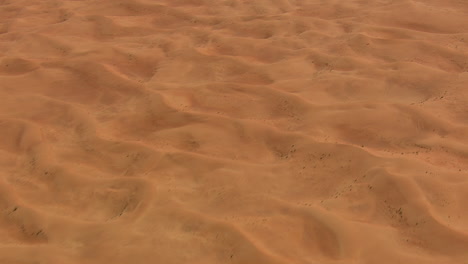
x,y
233,131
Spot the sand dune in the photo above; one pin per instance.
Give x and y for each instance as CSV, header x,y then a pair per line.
x,y
234,131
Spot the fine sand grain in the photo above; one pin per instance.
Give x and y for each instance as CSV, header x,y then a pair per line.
x,y
233,131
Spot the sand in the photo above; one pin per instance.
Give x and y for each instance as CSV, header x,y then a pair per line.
x,y
235,131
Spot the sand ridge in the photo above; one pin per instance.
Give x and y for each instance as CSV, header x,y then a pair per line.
x,y
201,131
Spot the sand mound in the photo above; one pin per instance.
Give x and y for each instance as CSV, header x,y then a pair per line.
x,y
267,131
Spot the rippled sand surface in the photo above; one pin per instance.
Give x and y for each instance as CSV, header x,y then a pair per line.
x,y
233,131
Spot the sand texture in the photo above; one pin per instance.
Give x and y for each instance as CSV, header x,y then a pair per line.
x,y
233,131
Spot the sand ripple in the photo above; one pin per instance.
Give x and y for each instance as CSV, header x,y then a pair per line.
x,y
269,131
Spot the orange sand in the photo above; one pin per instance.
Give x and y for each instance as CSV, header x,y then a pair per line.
x,y
233,131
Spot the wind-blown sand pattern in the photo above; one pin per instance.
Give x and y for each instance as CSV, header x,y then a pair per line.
x,y
266,131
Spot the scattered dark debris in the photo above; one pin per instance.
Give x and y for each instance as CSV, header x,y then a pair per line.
x,y
14,210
